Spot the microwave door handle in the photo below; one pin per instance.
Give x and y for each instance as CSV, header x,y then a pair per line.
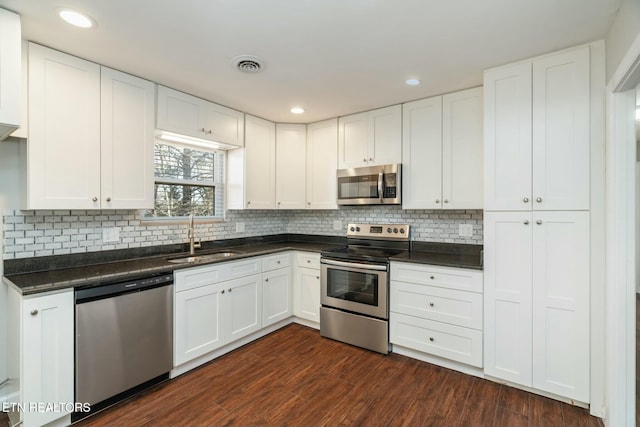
x,y
380,179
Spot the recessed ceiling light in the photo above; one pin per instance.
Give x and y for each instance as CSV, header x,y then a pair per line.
x,y
297,110
412,82
76,18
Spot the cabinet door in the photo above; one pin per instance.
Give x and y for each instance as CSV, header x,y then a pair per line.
x,y
306,294
64,131
322,162
290,166
276,296
561,131
462,150
561,303
352,141
242,305
47,354
181,113
260,149
127,126
422,154
198,322
385,136
507,296
224,125
10,73
507,138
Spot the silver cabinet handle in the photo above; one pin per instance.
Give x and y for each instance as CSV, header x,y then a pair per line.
x,y
446,201
318,277
431,304
230,289
526,222
108,199
526,200
432,277
210,131
222,291
371,159
278,262
95,199
308,261
539,199
266,280
203,130
364,160
437,200
34,312
432,339
278,203
538,222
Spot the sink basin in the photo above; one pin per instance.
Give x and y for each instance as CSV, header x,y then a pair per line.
x,y
194,259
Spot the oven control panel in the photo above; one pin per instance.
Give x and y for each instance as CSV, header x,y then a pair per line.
x,y
379,231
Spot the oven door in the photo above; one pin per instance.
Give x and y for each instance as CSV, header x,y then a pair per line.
x,y
355,287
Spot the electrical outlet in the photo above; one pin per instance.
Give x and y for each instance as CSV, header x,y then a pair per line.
x,y
239,227
111,234
337,225
465,230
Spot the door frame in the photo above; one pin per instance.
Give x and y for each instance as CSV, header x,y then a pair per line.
x,y
620,342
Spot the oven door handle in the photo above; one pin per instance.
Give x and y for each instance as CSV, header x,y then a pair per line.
x,y
354,265
380,186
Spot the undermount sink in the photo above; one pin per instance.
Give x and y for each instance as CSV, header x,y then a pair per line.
x,y
193,259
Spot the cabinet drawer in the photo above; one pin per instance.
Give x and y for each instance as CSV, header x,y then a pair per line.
x,y
308,260
273,262
194,277
455,307
445,277
439,339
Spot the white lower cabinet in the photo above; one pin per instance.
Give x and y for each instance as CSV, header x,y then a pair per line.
x,y
276,288
213,307
537,300
42,336
437,311
306,291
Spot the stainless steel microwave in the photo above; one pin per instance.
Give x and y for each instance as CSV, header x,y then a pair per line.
x,y
371,185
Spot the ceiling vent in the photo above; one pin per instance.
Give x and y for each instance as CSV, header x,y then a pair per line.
x,y
248,63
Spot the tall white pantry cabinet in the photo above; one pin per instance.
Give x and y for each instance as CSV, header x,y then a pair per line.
x,y
537,223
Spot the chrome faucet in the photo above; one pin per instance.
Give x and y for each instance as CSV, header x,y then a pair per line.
x,y
192,237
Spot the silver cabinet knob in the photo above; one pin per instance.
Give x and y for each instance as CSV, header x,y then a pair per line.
x,y
34,312
210,131
309,204
308,261
266,280
230,289
446,200
318,277
538,222
431,304
371,159
526,222
526,200
437,200
432,339
432,277
364,160
278,262
539,199
203,130
222,291
108,199
95,199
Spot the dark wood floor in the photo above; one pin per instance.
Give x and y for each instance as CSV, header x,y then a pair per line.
x,y
294,377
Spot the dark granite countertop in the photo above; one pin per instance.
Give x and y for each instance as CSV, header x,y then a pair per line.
x,y
444,254
45,274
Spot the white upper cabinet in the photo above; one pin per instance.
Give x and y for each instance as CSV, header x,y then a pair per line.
x,y
537,133
442,152
422,154
259,164
322,162
291,141
188,115
10,73
63,150
90,135
127,126
371,138
462,149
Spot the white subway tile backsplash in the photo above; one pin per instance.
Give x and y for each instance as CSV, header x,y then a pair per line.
x,y
40,233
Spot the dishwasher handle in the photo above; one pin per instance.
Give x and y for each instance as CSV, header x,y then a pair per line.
x,y
107,290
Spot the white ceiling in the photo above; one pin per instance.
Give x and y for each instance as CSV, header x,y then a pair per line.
x,y
332,57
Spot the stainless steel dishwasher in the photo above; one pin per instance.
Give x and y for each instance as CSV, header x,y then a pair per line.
x,y
124,339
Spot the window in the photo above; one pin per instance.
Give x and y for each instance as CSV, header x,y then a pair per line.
x,y
187,180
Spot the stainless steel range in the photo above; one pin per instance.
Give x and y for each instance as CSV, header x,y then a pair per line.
x,y
355,285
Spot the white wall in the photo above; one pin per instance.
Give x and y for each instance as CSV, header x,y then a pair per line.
x,y
623,32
